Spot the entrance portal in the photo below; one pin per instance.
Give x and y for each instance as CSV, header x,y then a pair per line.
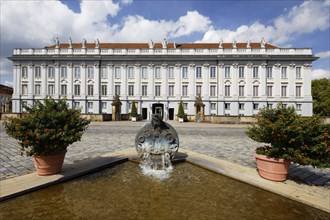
x,y
171,114
144,113
158,109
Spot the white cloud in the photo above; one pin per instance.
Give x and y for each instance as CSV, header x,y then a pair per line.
x,y
9,83
305,18
126,2
34,24
139,29
192,22
323,55
320,73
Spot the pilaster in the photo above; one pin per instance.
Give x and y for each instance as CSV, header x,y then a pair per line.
x,y
151,81
192,81
177,87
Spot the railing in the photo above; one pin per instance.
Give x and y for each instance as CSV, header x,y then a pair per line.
x,y
178,51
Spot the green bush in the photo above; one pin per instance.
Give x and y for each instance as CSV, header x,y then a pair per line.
x,y
47,128
292,137
134,110
181,111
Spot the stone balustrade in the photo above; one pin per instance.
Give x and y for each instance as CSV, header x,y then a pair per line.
x,y
178,51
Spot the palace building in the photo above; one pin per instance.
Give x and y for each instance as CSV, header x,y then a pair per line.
x,y
234,79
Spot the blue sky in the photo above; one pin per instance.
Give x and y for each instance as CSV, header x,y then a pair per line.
x,y
284,23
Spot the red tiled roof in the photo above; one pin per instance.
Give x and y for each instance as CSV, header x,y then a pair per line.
x,y
159,45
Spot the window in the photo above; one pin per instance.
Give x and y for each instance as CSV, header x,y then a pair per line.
x,y
269,91
131,72
298,107
185,106
227,106
104,89
144,73
157,90
50,89
255,72
37,89
144,90
104,105
212,91
269,106
104,73
284,105
51,72
171,73
90,105
24,72
117,73
212,72
157,73
76,105
198,90
77,72
64,73
184,72
184,90
227,72
241,90
269,72
255,91
283,73
90,90
130,90
76,89
90,73
213,106
198,72
117,89
37,73
255,106
298,91
241,106
298,72
24,89
63,89
283,91
171,90
241,72
227,90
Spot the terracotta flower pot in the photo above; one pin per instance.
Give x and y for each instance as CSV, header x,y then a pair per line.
x,y
271,168
48,165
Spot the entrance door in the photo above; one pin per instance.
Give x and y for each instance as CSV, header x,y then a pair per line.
x,y
144,113
158,109
171,114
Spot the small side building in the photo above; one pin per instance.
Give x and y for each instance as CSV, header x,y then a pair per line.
x,y
5,99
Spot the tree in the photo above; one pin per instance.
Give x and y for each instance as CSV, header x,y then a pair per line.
x,y
134,110
321,96
181,111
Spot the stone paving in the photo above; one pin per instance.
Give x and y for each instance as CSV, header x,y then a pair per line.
x,y
227,142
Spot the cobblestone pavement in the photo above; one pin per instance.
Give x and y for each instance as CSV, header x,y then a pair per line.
x,y
227,142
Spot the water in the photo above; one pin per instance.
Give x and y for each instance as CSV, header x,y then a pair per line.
x,y
160,174
124,192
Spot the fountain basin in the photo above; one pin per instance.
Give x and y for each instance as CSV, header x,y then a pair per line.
x,y
291,190
123,192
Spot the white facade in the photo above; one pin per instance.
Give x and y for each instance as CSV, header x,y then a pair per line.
x,y
231,79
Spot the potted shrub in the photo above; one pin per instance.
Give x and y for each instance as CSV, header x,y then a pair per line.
x,y
45,132
133,112
181,114
282,129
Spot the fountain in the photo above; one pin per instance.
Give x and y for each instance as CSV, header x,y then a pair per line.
x,y
156,144
124,192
